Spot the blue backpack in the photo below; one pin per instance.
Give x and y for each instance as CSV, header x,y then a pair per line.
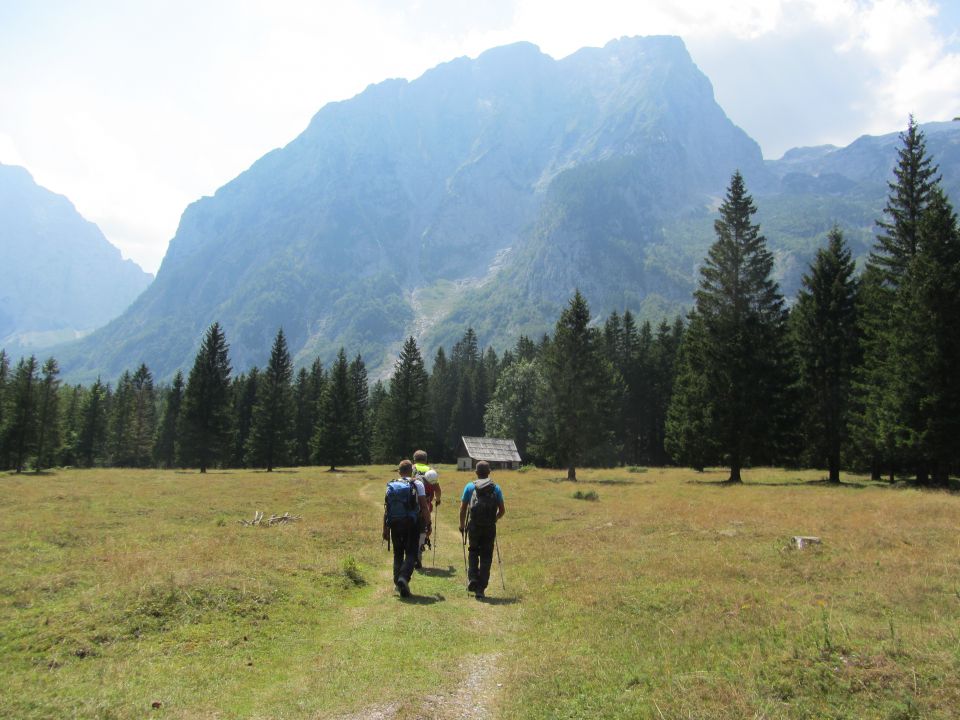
x,y
401,502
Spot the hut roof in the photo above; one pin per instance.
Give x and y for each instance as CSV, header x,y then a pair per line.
x,y
495,449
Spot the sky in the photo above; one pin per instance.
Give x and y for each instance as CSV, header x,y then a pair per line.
x,y
133,109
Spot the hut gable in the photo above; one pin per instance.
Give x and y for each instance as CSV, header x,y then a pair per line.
x,y
499,452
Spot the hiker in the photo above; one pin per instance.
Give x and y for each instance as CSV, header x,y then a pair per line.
x,y
483,499
431,485
405,512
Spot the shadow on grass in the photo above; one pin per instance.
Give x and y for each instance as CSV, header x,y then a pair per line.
x,y
449,571
422,599
601,481
499,600
783,483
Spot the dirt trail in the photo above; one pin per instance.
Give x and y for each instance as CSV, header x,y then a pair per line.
x,y
472,699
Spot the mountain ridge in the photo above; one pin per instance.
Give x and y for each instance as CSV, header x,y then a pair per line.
x,y
598,171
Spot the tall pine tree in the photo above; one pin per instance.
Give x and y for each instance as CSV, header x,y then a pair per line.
x,y
881,431
273,414
404,420
205,425
826,339
21,430
741,342
580,388
165,448
48,417
335,442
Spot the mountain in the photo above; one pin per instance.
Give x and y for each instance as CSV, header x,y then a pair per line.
x,y
62,278
482,194
390,206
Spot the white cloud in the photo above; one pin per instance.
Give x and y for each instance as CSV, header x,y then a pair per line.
x,y
9,154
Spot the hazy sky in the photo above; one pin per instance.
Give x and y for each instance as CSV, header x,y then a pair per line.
x,y
134,109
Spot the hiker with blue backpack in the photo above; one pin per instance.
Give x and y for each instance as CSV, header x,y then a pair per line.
x,y
405,512
481,505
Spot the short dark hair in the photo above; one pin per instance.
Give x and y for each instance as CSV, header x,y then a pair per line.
x,y
405,467
420,456
483,469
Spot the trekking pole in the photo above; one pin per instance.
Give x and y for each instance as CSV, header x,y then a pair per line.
x,y
496,544
466,573
436,532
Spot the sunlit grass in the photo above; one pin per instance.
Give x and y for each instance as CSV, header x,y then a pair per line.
x,y
669,595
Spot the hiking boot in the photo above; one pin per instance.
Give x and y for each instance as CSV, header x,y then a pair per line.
x,y
472,586
418,565
479,595
404,587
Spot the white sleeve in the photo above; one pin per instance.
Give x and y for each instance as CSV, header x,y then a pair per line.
x,y
421,492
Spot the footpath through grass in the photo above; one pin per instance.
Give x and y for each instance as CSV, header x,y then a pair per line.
x,y
656,594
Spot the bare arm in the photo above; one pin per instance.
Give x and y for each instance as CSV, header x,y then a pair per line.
x,y
463,514
501,510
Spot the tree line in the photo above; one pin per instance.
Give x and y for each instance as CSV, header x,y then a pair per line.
x,y
859,373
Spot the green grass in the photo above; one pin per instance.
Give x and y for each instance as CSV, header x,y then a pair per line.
x,y
673,597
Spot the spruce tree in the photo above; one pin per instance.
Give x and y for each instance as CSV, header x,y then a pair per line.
x,y
72,401
205,425
92,436
165,448
442,393
361,405
243,398
925,349
4,414
381,424
335,441
580,384
405,424
304,419
21,431
916,176
48,420
273,414
741,343
689,438
120,424
826,339
143,419
882,430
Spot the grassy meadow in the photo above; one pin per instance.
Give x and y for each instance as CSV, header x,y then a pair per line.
x,y
654,594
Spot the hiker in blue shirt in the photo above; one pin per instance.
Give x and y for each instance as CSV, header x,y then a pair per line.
x,y
405,512
484,500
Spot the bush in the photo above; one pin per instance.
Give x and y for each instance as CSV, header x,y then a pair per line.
x,y
526,468
590,495
636,469
351,570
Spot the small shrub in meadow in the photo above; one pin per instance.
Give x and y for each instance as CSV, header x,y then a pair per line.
x,y
590,495
351,570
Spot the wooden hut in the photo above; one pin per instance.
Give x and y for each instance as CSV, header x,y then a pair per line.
x,y
501,453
